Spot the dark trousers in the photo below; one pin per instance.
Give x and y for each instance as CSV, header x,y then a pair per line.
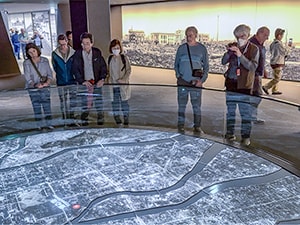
x,y
68,100
40,99
183,94
97,101
118,103
256,99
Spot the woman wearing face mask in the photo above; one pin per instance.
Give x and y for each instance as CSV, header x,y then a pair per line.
x,y
119,72
242,58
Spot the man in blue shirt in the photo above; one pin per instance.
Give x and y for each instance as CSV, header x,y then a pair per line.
x,y
191,68
16,43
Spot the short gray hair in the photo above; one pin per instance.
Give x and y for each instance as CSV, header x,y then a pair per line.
x,y
242,29
191,28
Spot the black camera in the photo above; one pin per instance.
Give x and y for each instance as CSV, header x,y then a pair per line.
x,y
43,79
197,73
231,44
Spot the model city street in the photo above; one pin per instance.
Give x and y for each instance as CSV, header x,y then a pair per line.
x,y
136,176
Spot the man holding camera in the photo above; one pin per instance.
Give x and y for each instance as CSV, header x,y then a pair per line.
x,y
243,60
191,68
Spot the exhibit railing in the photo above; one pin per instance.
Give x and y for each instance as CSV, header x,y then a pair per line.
x,y
155,107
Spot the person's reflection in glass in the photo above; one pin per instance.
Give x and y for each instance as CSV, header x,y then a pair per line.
x,y
38,76
119,72
190,85
242,57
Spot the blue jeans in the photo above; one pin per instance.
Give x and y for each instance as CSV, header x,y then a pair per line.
x,y
183,94
117,103
40,98
23,50
242,101
17,50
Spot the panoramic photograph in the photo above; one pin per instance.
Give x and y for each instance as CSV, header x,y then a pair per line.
x,y
153,40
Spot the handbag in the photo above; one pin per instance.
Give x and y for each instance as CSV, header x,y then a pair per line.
x,y
43,79
195,72
231,84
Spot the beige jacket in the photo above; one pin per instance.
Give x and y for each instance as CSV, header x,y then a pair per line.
x,y
117,76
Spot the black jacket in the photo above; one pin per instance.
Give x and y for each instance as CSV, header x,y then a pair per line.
x,y
99,66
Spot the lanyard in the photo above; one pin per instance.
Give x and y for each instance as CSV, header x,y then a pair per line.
x,y
245,50
238,70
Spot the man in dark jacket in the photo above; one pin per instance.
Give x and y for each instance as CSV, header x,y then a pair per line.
x,y
90,70
259,39
62,60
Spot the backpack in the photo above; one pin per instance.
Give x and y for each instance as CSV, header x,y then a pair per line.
x,y
122,58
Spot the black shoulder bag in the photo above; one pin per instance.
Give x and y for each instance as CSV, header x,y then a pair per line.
x,y
43,79
195,72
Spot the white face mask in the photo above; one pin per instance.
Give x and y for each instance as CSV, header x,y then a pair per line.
x,y
242,42
116,52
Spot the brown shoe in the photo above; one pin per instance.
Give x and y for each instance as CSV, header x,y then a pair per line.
x,y
276,93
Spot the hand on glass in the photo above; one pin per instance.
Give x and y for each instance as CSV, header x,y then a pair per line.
x,y
87,84
120,81
197,83
100,83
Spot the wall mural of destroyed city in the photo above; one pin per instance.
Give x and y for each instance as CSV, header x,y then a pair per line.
x,y
153,32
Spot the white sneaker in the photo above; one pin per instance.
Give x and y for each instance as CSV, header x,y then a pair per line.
x,y
258,121
50,127
245,141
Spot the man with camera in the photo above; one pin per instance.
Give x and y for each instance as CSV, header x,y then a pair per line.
x,y
191,68
239,78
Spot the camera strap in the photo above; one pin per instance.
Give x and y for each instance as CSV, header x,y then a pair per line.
x,y
189,53
36,69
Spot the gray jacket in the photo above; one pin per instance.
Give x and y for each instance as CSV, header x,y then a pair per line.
x,y
278,52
